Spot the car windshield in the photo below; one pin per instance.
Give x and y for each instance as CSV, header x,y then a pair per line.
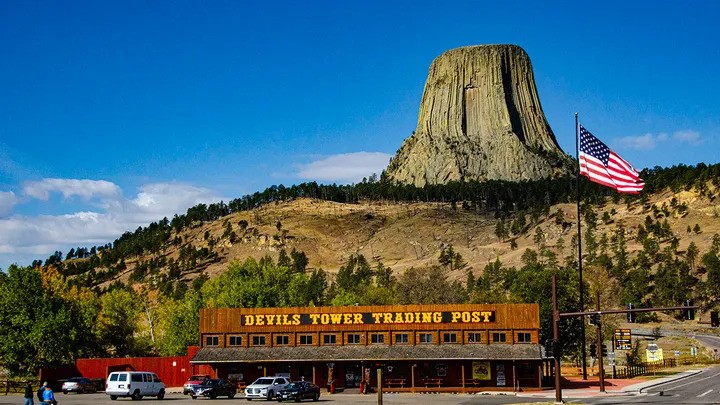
x,y
75,379
293,385
263,381
197,377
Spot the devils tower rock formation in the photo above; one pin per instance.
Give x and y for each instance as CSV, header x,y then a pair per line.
x,y
480,119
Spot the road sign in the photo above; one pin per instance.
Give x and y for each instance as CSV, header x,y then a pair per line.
x,y
611,359
677,353
623,339
693,351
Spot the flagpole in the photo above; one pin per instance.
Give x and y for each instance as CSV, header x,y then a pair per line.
x,y
579,241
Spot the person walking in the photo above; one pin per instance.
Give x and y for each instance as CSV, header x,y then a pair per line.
x,y
40,392
28,393
49,396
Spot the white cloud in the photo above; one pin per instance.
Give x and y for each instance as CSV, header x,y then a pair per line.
x,y
70,187
650,141
688,136
8,199
349,167
43,234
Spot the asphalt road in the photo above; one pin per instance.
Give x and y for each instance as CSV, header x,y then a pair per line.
x,y
702,388
388,399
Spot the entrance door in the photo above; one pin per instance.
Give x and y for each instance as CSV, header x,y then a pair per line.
x,y
353,376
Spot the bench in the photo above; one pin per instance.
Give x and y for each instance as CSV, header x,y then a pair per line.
x,y
435,382
395,382
472,382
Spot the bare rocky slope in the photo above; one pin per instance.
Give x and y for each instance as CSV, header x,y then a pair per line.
x,y
480,119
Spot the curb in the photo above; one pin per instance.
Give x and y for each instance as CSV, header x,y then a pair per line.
x,y
677,377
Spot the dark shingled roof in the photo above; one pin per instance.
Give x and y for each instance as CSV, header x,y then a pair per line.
x,y
370,352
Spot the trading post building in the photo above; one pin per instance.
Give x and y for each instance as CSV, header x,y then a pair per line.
x,y
418,347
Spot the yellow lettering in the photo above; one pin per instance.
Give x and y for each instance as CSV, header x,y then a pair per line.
x,y
347,318
466,316
437,317
376,317
357,318
409,317
324,319
417,317
486,315
426,317
336,318
296,319
259,320
399,317
455,317
475,316
387,317
249,320
314,318
270,319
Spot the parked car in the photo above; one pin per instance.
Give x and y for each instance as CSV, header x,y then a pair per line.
x,y
194,380
213,388
134,384
80,385
265,388
299,390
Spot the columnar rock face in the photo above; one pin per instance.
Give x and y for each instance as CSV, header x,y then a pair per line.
x,y
480,119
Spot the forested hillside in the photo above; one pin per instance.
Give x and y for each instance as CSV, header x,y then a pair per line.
x,y
369,243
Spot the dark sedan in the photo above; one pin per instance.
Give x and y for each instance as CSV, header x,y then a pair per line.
x,y
213,388
298,391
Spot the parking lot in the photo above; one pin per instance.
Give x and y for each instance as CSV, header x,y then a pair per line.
x,y
343,398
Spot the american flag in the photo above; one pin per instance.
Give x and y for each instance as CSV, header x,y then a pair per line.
x,y
603,166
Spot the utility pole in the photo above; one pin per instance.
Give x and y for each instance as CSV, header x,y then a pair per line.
x,y
556,338
601,369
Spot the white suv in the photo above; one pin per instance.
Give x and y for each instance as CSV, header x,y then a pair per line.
x,y
134,384
265,388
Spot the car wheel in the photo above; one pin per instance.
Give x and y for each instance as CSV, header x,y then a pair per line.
x,y
64,392
270,395
81,391
193,397
113,397
161,394
249,399
279,399
213,395
316,397
297,398
232,395
136,395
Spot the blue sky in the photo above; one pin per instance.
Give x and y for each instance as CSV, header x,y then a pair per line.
x,y
115,114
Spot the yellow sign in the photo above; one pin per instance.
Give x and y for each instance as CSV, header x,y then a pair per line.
x,y
654,355
481,370
369,318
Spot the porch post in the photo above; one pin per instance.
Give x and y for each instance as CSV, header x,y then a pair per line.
x,y
264,371
462,376
313,376
412,377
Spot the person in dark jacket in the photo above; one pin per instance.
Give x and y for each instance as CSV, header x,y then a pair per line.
x,y
28,393
40,392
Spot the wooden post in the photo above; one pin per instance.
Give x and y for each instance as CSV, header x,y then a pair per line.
x,y
313,376
516,382
412,378
462,376
379,385
264,371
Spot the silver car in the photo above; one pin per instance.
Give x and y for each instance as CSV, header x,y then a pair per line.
x,y
265,388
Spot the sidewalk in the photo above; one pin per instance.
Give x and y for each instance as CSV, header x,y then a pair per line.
x,y
576,387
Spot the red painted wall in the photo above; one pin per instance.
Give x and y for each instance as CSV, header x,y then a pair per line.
x,y
173,371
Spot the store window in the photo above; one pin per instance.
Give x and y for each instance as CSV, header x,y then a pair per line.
x,y
524,337
212,341
401,338
258,340
449,337
353,339
235,341
377,338
426,338
329,339
499,337
282,340
306,339
474,337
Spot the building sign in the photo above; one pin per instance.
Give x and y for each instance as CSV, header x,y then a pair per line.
x,y
623,339
481,370
356,318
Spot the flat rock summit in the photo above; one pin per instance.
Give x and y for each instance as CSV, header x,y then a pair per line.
x,y
480,119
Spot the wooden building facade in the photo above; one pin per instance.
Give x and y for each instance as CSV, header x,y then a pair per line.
x,y
418,347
